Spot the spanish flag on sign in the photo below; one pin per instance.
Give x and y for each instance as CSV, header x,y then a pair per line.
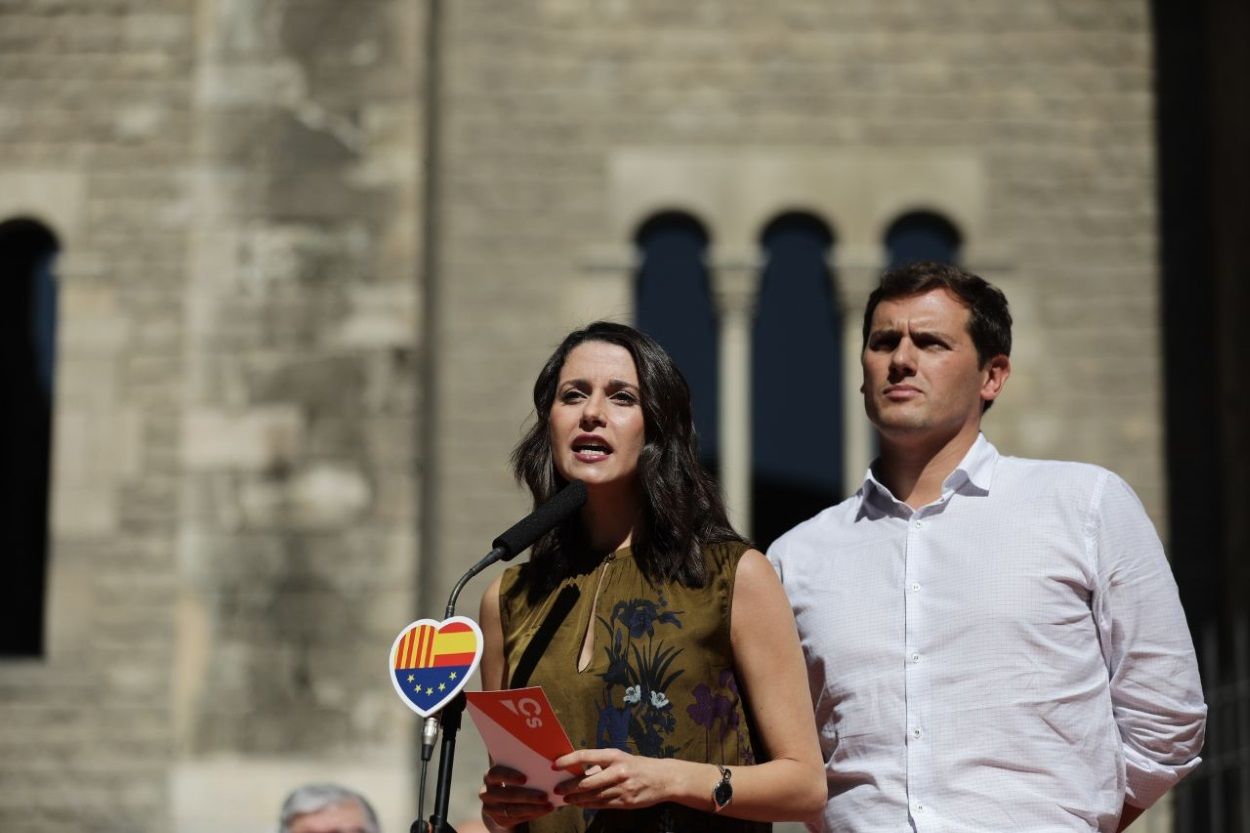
x,y
432,661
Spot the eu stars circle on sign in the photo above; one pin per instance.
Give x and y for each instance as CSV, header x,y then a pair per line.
x,y
432,661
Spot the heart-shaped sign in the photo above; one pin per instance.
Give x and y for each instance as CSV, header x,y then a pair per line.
x,y
431,661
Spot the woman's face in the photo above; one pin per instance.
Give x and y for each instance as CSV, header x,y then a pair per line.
x,y
596,421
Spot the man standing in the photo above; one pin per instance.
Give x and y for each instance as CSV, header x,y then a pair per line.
x,y
993,644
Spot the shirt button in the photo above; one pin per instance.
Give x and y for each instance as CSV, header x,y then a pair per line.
x,y
915,588
915,657
919,808
915,733
918,524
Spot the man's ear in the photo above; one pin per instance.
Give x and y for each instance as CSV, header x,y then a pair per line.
x,y
996,371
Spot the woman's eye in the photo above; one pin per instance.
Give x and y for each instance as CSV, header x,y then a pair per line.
x,y
570,396
625,399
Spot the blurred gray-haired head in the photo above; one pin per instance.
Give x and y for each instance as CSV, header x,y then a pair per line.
x,y
313,798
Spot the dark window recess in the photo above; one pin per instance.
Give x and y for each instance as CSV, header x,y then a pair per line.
x,y
922,235
674,306
796,380
28,329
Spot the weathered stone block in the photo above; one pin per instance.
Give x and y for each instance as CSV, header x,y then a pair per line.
x,y
260,438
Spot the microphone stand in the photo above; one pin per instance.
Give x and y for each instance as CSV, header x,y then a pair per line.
x,y
450,717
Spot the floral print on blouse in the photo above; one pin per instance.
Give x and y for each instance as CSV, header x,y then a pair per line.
x,y
659,683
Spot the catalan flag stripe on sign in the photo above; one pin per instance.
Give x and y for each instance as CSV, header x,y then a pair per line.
x,y
425,647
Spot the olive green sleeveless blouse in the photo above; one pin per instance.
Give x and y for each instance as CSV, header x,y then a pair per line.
x,y
660,681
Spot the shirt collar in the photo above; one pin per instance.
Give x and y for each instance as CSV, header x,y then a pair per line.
x,y
975,471
972,476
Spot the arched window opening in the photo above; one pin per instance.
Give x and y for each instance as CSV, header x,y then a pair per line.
x,y
28,315
796,380
922,235
674,306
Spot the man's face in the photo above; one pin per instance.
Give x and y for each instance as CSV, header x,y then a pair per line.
x,y
347,817
922,379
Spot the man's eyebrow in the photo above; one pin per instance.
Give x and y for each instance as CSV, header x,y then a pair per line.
x,y
935,332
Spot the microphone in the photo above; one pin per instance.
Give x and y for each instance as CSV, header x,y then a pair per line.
x,y
543,519
525,532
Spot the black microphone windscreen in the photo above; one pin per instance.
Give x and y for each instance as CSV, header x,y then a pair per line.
x,y
543,519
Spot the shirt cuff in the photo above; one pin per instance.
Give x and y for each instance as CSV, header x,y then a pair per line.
x,y
1146,780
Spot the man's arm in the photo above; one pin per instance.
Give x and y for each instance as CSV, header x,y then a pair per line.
x,y
1128,815
1156,693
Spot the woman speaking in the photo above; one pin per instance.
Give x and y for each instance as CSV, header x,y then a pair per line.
x,y
663,641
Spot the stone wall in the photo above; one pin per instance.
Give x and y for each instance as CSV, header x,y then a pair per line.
x,y
297,554
235,485
95,124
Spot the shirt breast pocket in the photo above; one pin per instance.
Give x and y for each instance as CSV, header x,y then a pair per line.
x,y
839,746
851,724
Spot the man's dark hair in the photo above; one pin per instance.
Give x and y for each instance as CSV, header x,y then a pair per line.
x,y
682,511
989,321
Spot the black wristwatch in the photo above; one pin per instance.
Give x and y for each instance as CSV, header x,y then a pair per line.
x,y
723,792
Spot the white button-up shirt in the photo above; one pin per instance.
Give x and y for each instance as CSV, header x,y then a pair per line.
x,y
1011,657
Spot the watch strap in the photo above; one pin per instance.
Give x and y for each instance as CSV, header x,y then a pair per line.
x,y
723,792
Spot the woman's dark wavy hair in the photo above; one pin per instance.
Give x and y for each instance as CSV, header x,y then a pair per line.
x,y
682,511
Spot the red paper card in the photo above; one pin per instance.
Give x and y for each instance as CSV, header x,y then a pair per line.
x,y
522,732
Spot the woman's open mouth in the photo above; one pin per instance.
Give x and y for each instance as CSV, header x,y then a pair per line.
x,y
588,448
